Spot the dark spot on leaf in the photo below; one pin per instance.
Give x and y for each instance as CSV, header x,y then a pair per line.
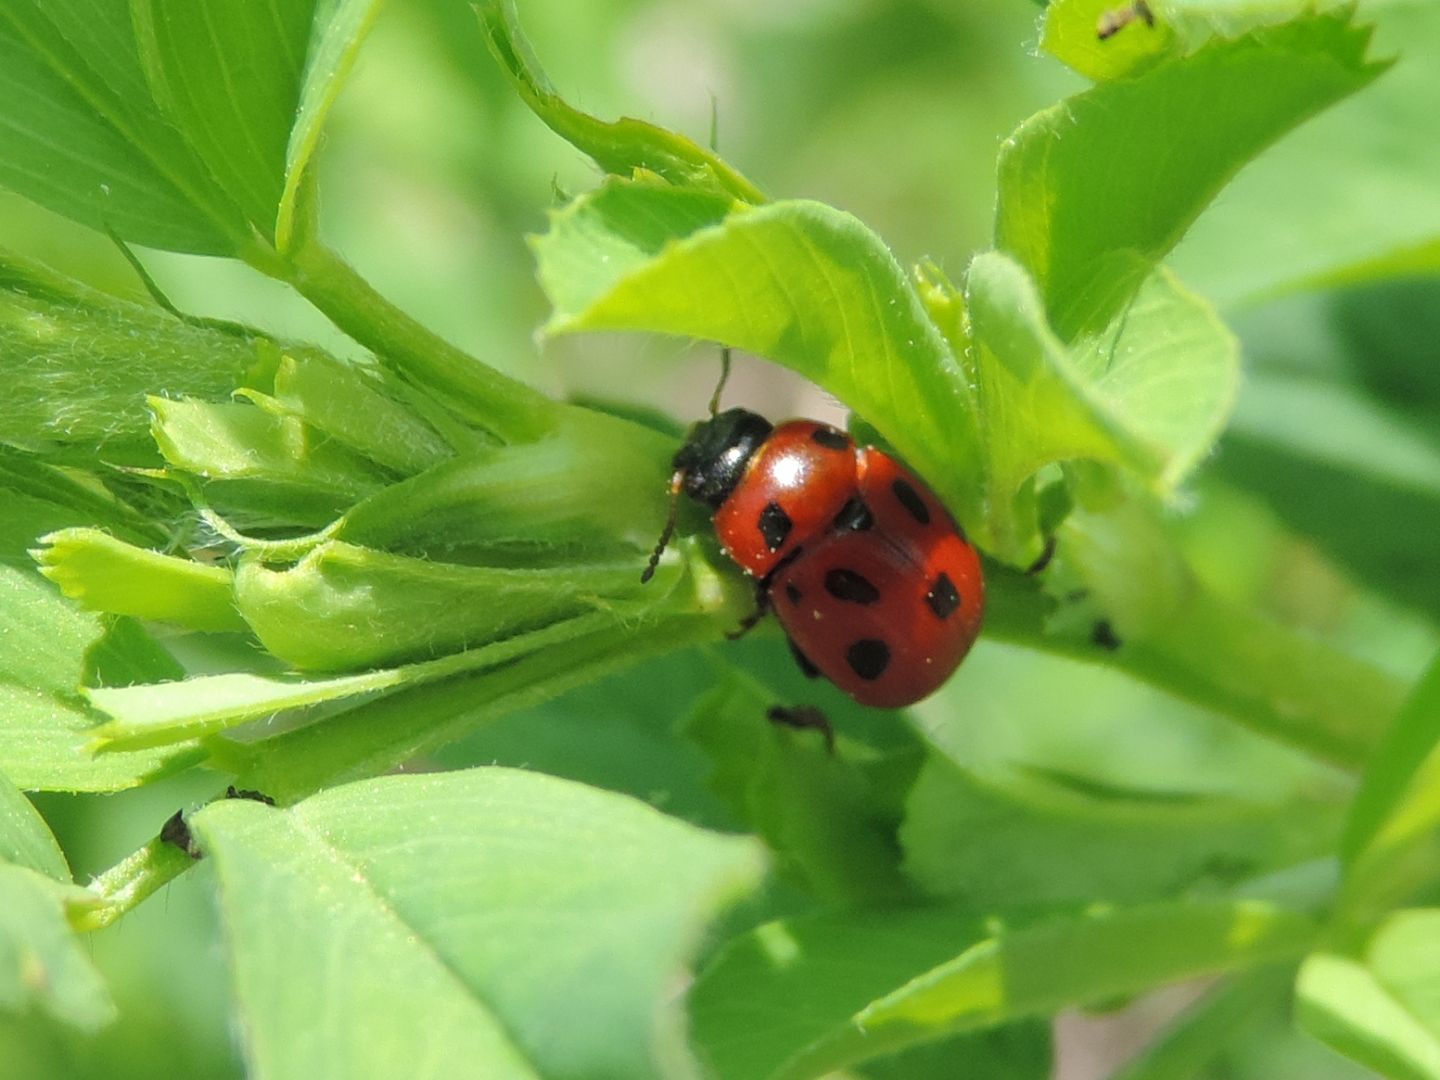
x,y
1104,635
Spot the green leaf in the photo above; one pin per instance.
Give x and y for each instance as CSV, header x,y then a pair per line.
x,y
384,734
546,946
127,655
182,127
1382,1009
25,839
227,75
1342,1004
1095,190
77,365
1205,1030
1070,33
43,498
1405,956
1015,1052
45,652
160,714
45,745
1347,197
1017,836
1392,838
593,489
1192,640
250,88
615,733
101,573
343,606
829,816
1149,395
800,283
25,519
1306,444
43,641
337,30
41,963
271,468
358,407
839,988
80,135
621,147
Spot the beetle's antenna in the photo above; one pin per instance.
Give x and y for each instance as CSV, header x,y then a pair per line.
x,y
724,378
666,533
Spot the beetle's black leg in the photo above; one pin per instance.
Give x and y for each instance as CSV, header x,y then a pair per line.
x,y
762,608
802,718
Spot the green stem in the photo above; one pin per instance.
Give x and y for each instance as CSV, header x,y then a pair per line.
x,y
511,410
130,881
1271,678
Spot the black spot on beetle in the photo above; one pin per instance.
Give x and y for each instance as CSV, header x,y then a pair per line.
x,y
830,438
849,586
775,525
943,597
854,516
911,500
1103,634
805,664
868,658
792,592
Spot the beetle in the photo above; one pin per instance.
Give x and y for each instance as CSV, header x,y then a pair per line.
x,y
871,578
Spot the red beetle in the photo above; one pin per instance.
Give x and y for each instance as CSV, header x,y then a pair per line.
x,y
871,578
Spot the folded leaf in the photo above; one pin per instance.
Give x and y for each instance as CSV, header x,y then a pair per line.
x,y
343,606
797,282
101,573
1095,190
1150,395
621,147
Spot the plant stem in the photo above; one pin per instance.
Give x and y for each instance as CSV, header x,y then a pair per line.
x,y
130,881
504,406
1271,678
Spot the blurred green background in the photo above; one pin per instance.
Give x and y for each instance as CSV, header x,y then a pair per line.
x,y
1321,507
